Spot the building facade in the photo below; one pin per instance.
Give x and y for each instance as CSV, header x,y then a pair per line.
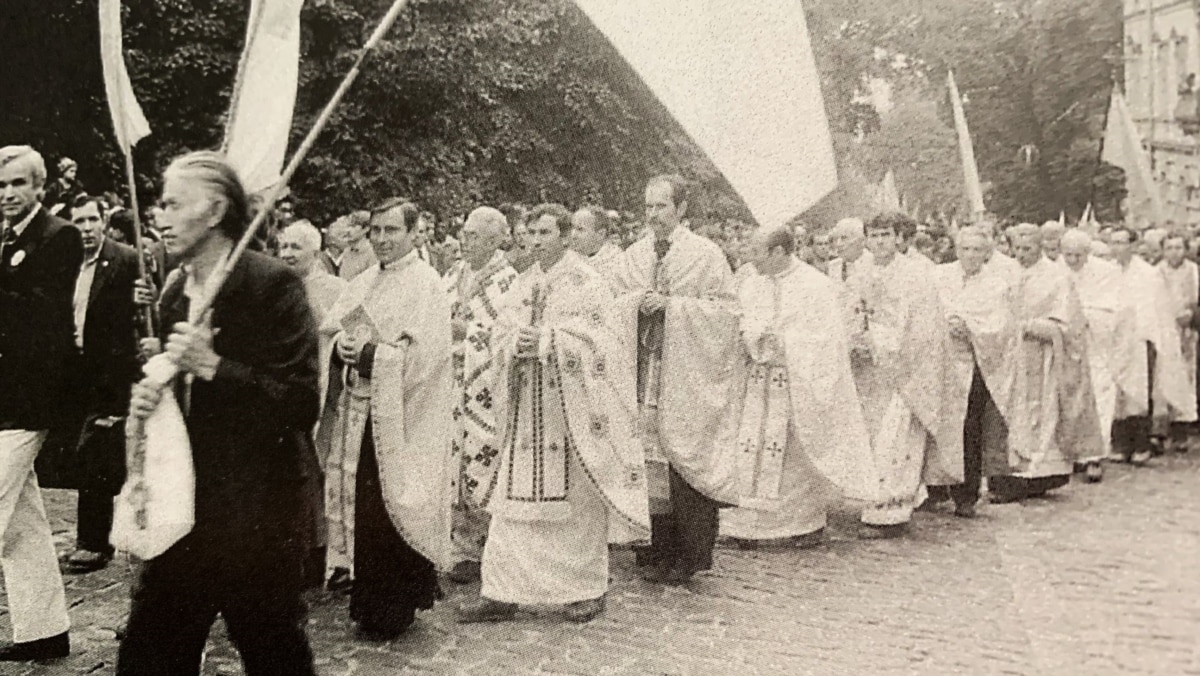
x,y
1162,60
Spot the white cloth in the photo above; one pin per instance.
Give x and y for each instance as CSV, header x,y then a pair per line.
x,y
1184,284
1098,286
83,291
36,599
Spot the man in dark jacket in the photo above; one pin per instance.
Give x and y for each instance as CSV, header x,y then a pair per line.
x,y
39,261
248,388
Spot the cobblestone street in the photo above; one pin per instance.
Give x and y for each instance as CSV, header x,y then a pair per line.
x,y
1094,580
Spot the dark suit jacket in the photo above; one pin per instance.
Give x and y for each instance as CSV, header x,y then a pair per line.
x,y
250,426
37,326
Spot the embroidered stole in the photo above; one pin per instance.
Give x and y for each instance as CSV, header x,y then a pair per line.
x,y
763,431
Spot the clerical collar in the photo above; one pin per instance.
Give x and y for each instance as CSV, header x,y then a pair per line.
x,y
20,226
400,263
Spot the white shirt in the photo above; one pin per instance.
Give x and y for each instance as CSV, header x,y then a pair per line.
x,y
83,292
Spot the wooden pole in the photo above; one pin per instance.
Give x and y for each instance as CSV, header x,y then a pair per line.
x,y
146,316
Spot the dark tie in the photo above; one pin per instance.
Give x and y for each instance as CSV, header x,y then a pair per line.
x,y
661,247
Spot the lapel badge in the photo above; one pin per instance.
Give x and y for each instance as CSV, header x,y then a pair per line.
x,y
17,258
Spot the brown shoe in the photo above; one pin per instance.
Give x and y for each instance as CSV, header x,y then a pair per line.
x,y
585,611
484,609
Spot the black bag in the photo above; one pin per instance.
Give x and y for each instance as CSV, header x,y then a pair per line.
x,y
93,459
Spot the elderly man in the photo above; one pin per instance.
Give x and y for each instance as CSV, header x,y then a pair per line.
x,y
1183,280
569,457
40,258
800,386
900,369
983,332
388,474
676,307
357,254
1052,418
477,289
300,247
1097,282
591,237
1150,373
849,241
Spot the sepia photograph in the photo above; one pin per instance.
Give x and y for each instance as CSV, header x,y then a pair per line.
x,y
599,337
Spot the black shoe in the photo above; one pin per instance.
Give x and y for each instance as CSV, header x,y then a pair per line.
x,y
1095,472
465,572
340,580
584,611
49,648
965,511
86,561
484,609
810,540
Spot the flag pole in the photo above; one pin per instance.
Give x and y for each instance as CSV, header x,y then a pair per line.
x,y
138,240
306,145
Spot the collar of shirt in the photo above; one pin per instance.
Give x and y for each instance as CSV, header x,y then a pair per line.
x,y
91,260
20,226
402,263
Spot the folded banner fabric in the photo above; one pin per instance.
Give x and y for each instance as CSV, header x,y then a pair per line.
x,y
1123,148
966,151
264,95
128,121
741,80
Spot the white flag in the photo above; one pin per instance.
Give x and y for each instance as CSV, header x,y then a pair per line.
x,y
1123,148
129,122
264,95
966,150
741,80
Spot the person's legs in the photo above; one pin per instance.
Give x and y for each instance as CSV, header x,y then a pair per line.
x,y
94,514
966,494
265,613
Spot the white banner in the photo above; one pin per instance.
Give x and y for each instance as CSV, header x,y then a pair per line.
x,y
129,122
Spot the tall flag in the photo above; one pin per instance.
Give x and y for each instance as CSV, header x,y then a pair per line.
x,y
129,123
741,80
1123,148
966,151
264,95
1085,219
889,195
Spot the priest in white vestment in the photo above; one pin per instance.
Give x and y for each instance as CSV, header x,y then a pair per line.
x,y
1097,281
388,475
676,309
1183,281
802,432
1150,371
851,266
477,287
569,454
1052,417
591,237
903,382
978,301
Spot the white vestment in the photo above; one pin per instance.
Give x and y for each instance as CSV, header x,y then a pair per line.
x,y
1098,286
802,428
408,399
569,453
1184,284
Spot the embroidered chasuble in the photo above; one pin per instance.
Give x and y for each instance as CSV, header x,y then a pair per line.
x,y
323,291
904,385
1052,417
690,370
986,305
1147,315
1098,286
605,259
850,295
475,297
408,399
1184,284
801,423
569,454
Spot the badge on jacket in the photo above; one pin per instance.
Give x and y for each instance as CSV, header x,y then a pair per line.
x,y
17,258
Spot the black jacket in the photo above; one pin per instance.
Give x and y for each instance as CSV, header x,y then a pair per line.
x,y
109,364
249,427
37,326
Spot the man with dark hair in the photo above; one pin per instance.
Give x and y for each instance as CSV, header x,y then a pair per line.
x,y
569,460
388,474
357,254
800,386
40,256
901,371
675,288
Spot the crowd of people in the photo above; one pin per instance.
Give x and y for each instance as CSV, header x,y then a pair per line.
x,y
388,405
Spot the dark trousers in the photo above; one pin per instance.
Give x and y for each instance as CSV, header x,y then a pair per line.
x,y
967,493
684,537
1131,435
94,520
254,584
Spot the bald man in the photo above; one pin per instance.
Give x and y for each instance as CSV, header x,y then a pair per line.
x,y
1096,281
849,241
591,237
1053,417
476,288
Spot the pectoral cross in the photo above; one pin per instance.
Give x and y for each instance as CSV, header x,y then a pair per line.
x,y
864,312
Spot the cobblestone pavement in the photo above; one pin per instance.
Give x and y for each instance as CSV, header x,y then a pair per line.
x,y
1092,580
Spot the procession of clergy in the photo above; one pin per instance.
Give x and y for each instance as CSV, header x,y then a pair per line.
x,y
653,397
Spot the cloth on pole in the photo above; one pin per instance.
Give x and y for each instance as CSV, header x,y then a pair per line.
x,y
741,80
128,120
264,95
966,151
1123,148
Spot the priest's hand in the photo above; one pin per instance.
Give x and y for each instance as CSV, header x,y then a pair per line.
x,y
958,329
527,342
348,348
144,399
653,302
191,347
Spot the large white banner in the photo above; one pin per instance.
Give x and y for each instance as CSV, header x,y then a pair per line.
x,y
741,80
128,121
